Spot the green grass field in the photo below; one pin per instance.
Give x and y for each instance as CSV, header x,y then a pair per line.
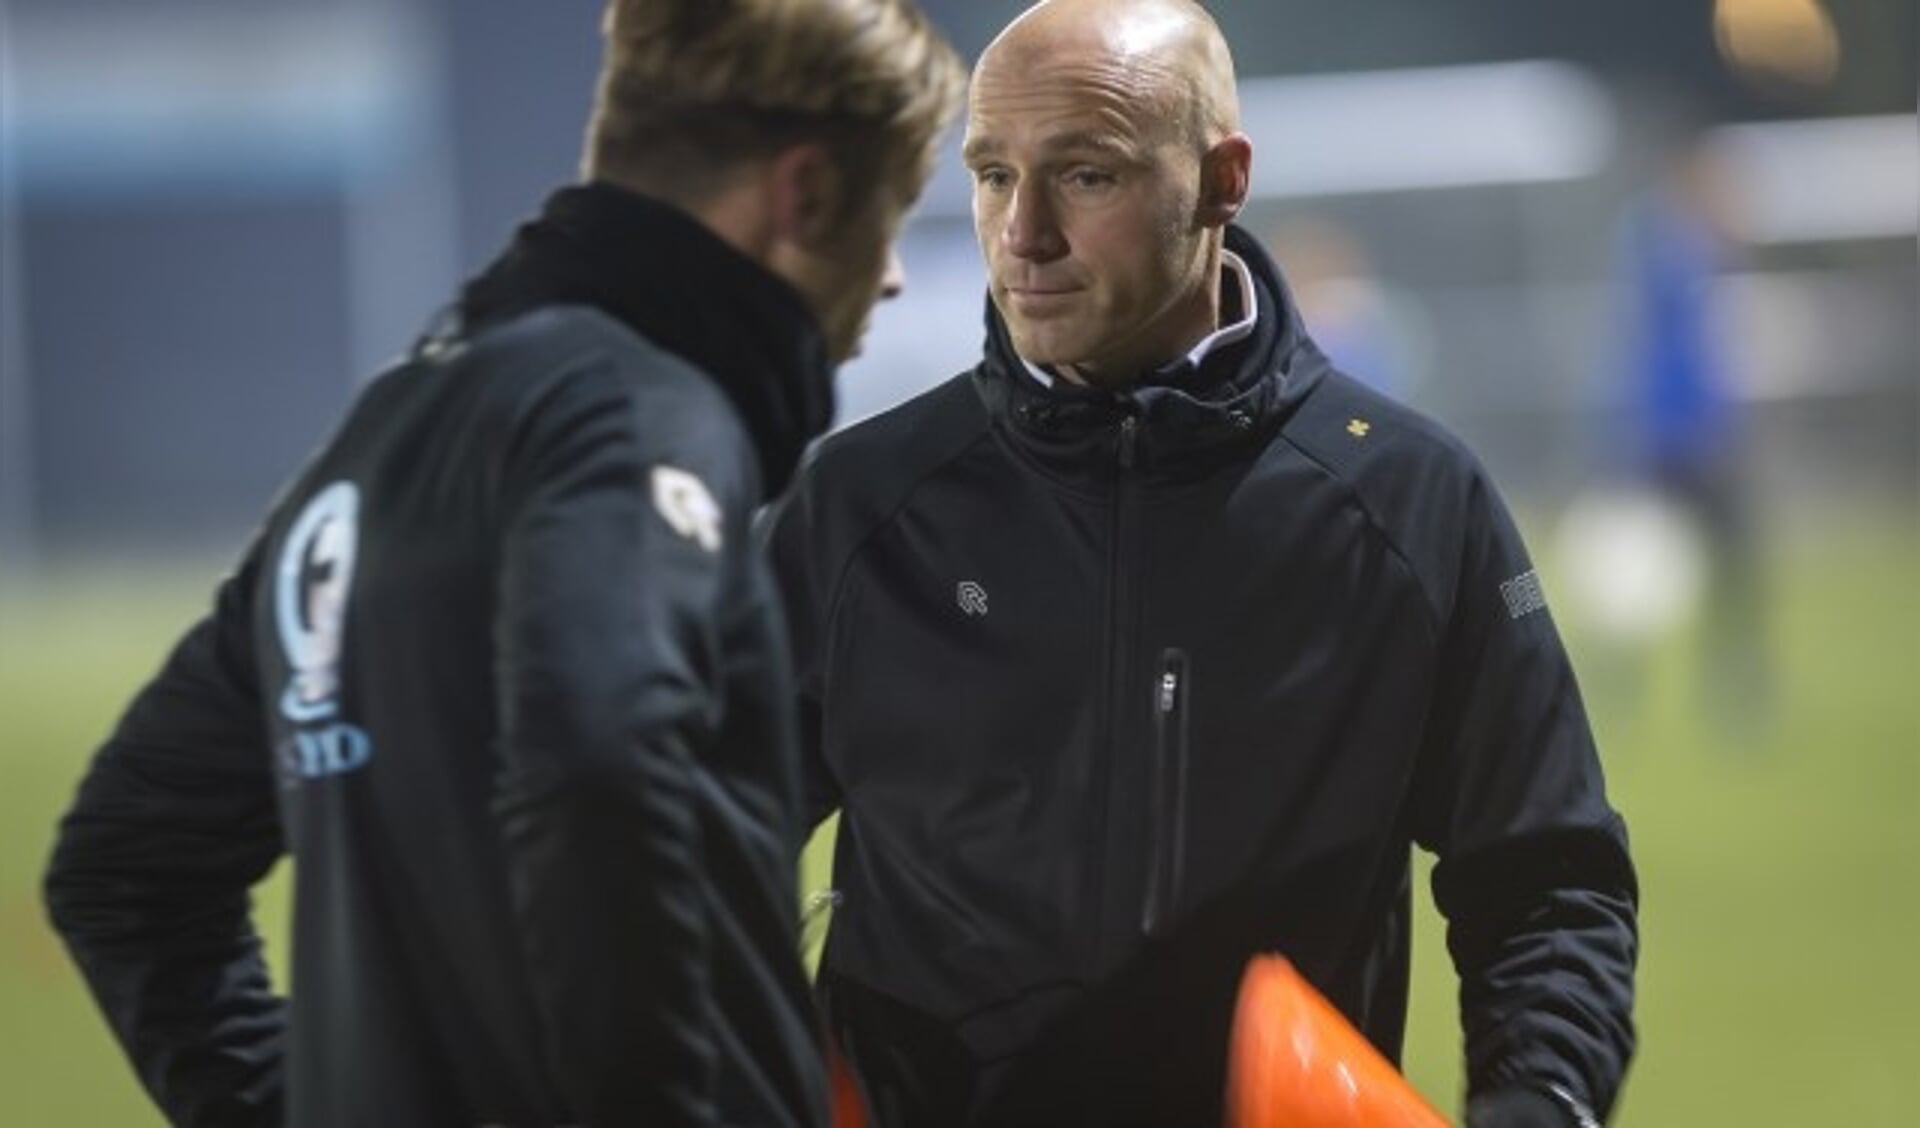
x,y
1780,858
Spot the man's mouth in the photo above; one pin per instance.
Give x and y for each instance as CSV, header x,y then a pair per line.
x,y
1040,299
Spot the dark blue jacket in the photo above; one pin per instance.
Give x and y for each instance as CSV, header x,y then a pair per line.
x,y
504,675
1115,690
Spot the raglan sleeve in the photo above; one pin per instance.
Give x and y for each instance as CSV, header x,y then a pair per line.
x,y
1534,874
628,508
149,882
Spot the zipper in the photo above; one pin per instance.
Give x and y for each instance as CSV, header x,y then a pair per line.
x,y
1113,891
1167,829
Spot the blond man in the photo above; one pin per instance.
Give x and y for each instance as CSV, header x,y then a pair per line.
x,y
501,670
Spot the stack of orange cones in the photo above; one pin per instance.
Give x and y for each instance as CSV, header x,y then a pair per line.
x,y
1296,1062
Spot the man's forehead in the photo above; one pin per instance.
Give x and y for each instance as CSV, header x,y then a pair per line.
x,y
1072,106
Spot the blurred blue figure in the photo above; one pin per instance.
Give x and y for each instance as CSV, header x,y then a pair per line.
x,y
1683,411
1683,415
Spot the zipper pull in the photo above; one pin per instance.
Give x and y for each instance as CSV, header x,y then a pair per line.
x,y
1129,427
1167,799
1173,675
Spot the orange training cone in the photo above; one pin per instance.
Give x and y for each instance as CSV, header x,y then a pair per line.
x,y
1296,1062
849,1109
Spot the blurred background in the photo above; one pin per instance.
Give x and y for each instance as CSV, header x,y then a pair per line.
x,y
1654,259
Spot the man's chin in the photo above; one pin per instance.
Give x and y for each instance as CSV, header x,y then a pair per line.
x,y
840,350
1044,348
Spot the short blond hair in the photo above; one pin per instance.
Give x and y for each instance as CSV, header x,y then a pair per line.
x,y
689,89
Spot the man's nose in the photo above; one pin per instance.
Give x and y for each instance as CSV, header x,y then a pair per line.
x,y
894,280
1032,229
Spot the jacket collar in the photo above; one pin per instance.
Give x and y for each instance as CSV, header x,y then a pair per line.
x,y
1187,415
670,279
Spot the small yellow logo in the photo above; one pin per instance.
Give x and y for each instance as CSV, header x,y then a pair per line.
x,y
1358,428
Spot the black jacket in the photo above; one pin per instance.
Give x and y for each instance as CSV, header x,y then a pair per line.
x,y
1114,690
504,675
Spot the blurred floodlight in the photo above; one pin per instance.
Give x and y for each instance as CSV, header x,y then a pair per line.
x,y
135,100
1818,180
1440,127
1400,130
1790,39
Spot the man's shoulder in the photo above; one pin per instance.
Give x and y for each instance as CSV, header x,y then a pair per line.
x,y
858,479
1418,485
563,375
905,441
561,340
1375,443
557,359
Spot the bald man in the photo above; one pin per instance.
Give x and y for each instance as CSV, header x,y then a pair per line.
x,y
1154,642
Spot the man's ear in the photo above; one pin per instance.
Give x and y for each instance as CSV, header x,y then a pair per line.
x,y
1226,177
805,188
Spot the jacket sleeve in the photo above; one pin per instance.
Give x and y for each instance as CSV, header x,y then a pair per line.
x,y
798,562
608,659
1534,876
148,885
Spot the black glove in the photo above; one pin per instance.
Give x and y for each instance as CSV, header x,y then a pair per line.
x,y
1516,1107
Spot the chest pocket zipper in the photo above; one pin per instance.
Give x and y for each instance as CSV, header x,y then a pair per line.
x,y
1167,829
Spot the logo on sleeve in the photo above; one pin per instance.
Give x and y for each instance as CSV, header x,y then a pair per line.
x,y
687,506
1523,594
311,585
971,597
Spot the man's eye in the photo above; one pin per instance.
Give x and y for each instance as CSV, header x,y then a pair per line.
x,y
1088,179
994,178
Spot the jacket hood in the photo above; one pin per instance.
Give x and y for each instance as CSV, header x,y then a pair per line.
x,y
664,275
1184,414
